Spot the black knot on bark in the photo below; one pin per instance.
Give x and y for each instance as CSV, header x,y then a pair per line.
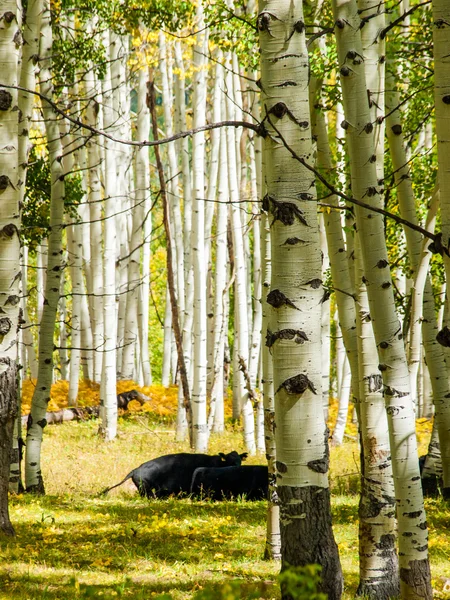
x,y
340,24
396,129
314,283
384,345
320,465
373,158
293,241
5,325
5,100
281,467
390,391
263,21
279,110
262,131
375,382
345,124
286,212
297,385
9,16
4,182
382,263
386,285
8,231
446,99
368,128
299,26
297,335
345,71
443,337
277,299
12,300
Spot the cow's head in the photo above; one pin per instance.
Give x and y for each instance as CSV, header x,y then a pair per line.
x,y
233,459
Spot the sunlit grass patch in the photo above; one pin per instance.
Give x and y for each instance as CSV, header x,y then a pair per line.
x,y
74,543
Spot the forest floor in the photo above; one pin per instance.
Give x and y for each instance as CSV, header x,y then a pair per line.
x,y
73,544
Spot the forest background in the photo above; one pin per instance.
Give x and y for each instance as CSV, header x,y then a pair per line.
x,y
129,261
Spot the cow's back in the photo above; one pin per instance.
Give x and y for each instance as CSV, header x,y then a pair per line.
x,y
230,482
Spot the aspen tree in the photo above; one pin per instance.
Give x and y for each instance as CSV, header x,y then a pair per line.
x,y
10,23
93,268
295,297
108,399
415,580
441,51
199,357
273,541
377,554
216,416
142,162
41,396
423,319
241,340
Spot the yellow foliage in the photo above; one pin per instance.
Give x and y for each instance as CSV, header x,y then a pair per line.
x,y
163,401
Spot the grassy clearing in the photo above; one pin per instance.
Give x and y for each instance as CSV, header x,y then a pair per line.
x,y
74,544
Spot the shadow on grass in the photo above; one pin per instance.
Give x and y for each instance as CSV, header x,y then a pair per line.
x,y
56,588
87,533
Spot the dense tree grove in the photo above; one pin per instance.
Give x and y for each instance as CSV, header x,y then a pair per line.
x,y
249,202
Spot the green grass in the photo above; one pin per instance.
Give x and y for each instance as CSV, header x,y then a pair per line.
x,y
73,544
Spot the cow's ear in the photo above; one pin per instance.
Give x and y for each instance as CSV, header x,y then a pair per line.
x,y
222,455
243,455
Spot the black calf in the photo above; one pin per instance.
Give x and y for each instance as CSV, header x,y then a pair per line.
x,y
219,484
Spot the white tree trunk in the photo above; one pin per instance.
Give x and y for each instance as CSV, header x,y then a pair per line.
x,y
9,255
199,418
41,396
296,292
412,538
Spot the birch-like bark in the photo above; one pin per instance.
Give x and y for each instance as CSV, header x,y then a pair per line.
x,y
95,278
441,52
423,314
272,549
108,398
41,396
241,328
199,418
378,563
342,272
27,336
216,416
10,25
296,292
143,201
413,548
170,274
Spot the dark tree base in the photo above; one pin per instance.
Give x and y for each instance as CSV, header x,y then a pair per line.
x,y
416,579
307,535
8,412
379,590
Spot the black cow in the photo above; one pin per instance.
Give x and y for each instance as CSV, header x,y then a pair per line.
x,y
172,474
251,481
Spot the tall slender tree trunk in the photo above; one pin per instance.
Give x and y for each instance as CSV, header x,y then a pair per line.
x,y
9,248
295,297
199,418
41,396
413,548
108,399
